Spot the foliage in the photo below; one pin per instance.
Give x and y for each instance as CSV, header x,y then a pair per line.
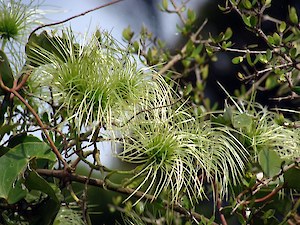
x,y
187,161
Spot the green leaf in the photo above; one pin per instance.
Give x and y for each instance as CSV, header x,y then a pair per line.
x,y
249,60
165,4
191,15
7,128
247,4
293,53
3,150
21,138
127,34
228,34
269,54
293,15
237,60
291,178
140,207
197,50
241,76
35,182
277,39
246,20
18,192
14,163
243,121
268,2
296,89
262,58
282,27
188,89
222,8
269,161
253,21
46,43
5,71
4,107
271,82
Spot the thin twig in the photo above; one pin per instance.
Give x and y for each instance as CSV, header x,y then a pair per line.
x,y
39,121
180,55
61,174
73,17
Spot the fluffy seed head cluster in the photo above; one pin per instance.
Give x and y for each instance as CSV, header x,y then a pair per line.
x,y
16,21
263,132
270,135
96,81
178,154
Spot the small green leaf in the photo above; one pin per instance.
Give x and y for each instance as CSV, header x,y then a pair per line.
x,y
269,161
237,60
271,82
165,4
241,76
291,178
262,58
7,128
253,21
209,51
249,60
204,71
293,53
127,34
296,89
5,71
222,8
246,20
268,2
197,50
18,192
190,47
191,15
228,34
243,121
269,54
35,182
270,40
282,27
277,39
188,89
140,207
14,163
293,15
247,4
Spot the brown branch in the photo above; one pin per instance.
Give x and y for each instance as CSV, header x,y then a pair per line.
x,y
180,55
39,121
63,175
73,17
255,189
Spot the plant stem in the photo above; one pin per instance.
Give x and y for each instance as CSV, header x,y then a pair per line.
x,y
61,174
73,17
39,121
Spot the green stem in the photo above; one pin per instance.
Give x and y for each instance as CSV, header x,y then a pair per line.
x,y
3,44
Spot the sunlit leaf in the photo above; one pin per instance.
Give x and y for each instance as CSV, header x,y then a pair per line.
x,y
237,60
13,164
270,162
293,15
